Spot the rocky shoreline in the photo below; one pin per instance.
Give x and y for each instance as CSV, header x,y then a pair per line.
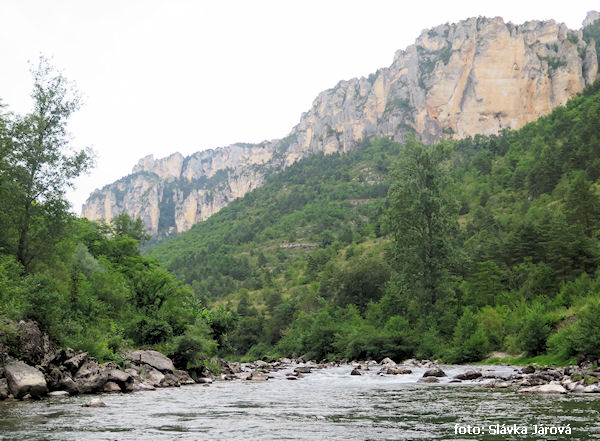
x,y
37,370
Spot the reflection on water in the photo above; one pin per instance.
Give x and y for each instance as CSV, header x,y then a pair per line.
x,y
325,405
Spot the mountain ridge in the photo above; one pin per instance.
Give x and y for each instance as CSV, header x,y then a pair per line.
x,y
477,76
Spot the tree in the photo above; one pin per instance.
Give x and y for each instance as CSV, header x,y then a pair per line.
x,y
470,342
535,330
124,225
586,333
582,204
362,281
5,185
423,220
42,164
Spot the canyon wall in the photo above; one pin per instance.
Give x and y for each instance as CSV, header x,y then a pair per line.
x,y
477,76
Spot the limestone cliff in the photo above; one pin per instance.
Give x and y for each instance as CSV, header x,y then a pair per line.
x,y
477,76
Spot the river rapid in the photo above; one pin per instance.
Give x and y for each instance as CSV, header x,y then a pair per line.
x,y
327,404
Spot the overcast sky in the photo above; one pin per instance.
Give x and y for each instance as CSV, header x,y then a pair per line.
x,y
160,76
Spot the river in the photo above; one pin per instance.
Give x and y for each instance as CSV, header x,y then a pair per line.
x,y
327,404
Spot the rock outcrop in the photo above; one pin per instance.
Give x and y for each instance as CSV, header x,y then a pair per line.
x,y
478,76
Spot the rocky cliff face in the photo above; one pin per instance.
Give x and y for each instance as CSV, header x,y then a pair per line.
x,y
474,77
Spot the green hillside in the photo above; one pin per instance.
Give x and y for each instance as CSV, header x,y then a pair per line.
x,y
454,250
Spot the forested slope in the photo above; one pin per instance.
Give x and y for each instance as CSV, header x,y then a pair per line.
x,y
455,250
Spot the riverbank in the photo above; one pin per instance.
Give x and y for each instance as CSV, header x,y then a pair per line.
x,y
42,370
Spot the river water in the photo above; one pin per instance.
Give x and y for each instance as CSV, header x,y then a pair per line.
x,y
327,404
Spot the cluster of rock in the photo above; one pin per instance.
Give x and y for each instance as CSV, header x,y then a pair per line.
x,y
477,76
261,370
528,380
544,380
390,367
42,370
572,379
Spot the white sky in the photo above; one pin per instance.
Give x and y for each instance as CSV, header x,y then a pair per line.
x,y
160,76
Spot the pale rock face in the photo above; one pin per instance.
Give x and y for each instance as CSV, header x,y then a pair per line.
x,y
167,168
478,76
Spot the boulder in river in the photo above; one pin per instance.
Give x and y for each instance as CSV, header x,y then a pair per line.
x,y
123,379
528,370
397,371
469,375
183,377
410,362
497,384
95,402
90,378
169,380
429,380
25,380
435,372
550,388
388,361
152,358
111,387
258,376
303,369
355,371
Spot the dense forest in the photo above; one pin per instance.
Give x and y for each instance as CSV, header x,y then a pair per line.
x,y
449,251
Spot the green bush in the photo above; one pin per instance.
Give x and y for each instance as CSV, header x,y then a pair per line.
x,y
150,331
585,335
470,342
193,347
535,331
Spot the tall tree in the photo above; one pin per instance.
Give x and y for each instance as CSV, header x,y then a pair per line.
x,y
423,219
43,164
582,204
5,184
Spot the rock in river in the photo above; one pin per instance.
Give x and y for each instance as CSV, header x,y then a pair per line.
x,y
528,370
152,358
469,375
258,376
550,388
25,380
437,372
96,402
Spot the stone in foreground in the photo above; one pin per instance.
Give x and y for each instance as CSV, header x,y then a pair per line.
x,y
25,380
550,388
96,402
